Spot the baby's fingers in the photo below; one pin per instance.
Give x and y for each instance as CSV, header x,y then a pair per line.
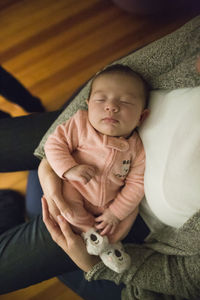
x,y
101,225
99,219
85,178
107,229
91,171
88,174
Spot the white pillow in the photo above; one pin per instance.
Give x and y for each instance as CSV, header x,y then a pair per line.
x,y
171,137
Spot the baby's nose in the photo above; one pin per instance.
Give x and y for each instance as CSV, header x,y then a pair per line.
x,y
112,108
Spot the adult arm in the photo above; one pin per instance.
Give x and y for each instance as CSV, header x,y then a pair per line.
x,y
151,271
156,273
70,242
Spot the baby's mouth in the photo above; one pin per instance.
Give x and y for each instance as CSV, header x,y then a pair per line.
x,y
110,120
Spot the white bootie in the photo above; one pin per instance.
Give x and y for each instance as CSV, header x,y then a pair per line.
x,y
116,258
95,243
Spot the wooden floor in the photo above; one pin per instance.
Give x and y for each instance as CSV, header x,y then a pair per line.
x,y
53,47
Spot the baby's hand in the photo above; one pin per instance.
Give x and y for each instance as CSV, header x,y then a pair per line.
x,y
107,222
81,173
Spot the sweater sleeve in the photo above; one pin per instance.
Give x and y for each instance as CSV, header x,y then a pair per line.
x,y
61,144
100,271
155,273
132,193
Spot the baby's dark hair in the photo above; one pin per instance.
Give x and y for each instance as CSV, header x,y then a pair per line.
x,y
124,69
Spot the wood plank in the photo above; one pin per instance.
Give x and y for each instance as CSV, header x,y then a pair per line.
x,y
50,289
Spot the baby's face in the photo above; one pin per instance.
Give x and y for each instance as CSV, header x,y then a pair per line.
x,y
116,104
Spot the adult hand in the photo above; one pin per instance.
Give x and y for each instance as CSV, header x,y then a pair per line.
x,y
52,188
70,242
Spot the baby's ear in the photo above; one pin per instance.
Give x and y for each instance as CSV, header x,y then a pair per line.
x,y
87,101
144,115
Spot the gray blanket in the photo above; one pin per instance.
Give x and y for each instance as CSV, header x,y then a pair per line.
x,y
168,63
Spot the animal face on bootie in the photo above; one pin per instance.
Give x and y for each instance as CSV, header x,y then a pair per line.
x,y
95,243
116,258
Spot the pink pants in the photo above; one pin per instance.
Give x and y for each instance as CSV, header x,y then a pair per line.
x,y
84,212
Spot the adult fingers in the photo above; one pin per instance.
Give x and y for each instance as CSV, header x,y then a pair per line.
x,y
62,205
52,208
66,228
73,241
53,229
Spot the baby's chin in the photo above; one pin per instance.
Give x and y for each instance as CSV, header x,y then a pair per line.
x,y
113,130
115,133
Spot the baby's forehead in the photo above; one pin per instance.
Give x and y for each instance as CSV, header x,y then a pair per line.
x,y
106,78
115,74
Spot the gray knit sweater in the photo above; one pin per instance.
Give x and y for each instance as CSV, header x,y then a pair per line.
x,y
167,265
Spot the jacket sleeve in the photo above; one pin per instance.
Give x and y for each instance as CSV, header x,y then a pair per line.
x,y
132,193
61,144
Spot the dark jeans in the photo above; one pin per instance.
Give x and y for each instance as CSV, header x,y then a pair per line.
x,y
28,255
19,137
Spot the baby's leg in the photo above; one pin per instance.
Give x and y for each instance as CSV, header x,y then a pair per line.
x,y
80,217
83,220
123,228
116,257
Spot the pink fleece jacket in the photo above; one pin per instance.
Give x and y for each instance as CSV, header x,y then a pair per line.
x,y
119,163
